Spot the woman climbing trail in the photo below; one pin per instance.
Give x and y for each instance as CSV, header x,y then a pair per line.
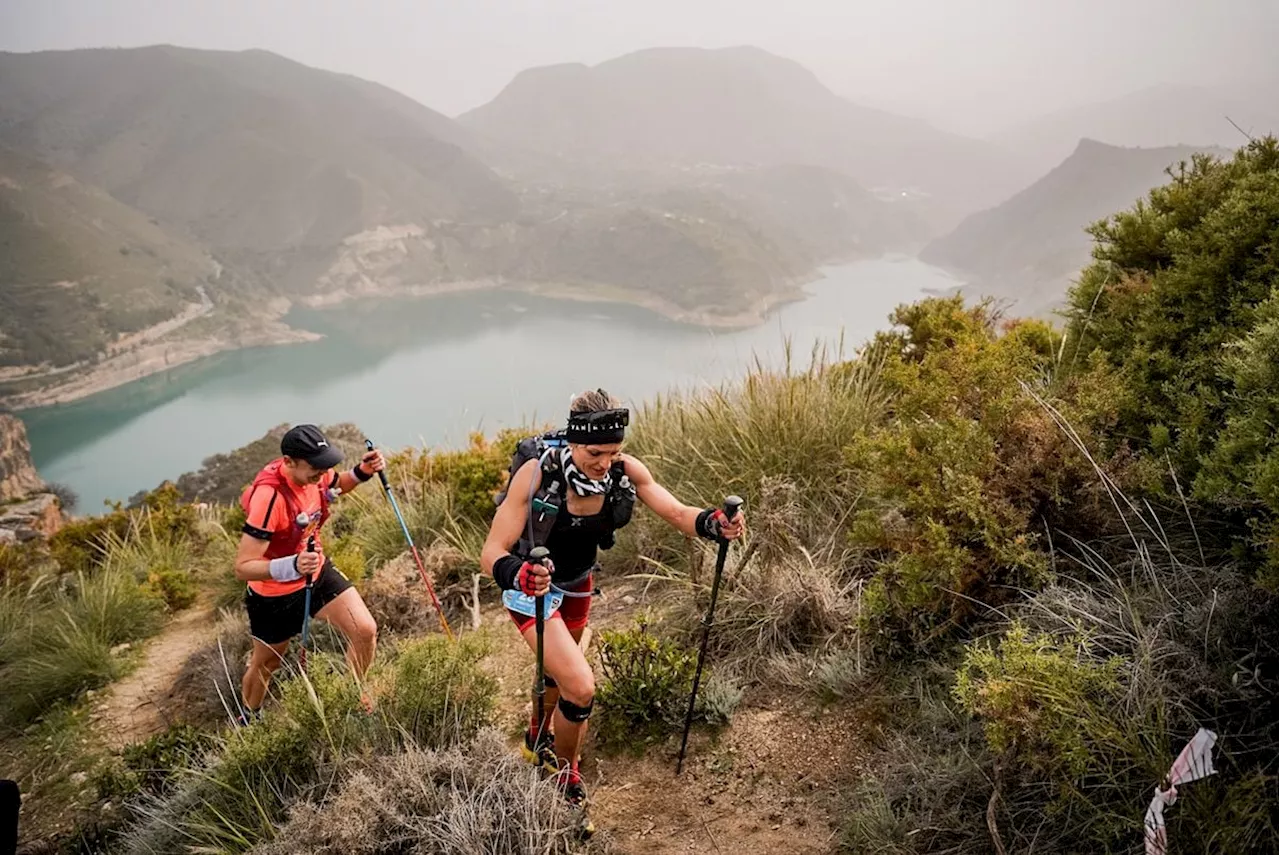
x,y
569,492
289,579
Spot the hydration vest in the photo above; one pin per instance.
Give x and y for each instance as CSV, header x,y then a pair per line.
x,y
550,487
288,540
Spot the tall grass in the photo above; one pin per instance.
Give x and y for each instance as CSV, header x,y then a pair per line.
x,y
791,425
430,695
57,634
57,644
472,797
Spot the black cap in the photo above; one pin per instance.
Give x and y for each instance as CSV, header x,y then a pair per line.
x,y
306,442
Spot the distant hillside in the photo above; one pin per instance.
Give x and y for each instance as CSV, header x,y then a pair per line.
x,y
79,268
1154,117
1028,249
249,151
676,108
222,477
830,214
269,183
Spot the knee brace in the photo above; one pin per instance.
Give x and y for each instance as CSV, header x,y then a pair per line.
x,y
549,681
572,712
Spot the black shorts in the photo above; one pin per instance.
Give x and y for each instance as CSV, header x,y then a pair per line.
x,y
276,619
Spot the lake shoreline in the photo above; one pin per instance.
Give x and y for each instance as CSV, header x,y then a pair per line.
x,y
156,357
432,372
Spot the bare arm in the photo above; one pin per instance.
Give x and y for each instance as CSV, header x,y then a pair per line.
x,y
659,500
371,463
251,563
508,523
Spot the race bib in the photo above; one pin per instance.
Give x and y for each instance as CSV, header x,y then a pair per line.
x,y
522,603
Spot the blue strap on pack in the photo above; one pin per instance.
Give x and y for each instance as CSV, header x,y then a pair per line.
x,y
524,604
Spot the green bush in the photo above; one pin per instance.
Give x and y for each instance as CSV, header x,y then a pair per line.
x,y
1175,282
442,693
149,766
472,476
1045,702
645,691
963,478
83,544
55,646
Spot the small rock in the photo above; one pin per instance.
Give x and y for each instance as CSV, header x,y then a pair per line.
x,y
90,693
79,778
629,600
120,648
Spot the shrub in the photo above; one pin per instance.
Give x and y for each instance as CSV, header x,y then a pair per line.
x,y
149,766
68,498
56,646
1175,281
441,691
647,680
967,473
646,685
472,476
1042,699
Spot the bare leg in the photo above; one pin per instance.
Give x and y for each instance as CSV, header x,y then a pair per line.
x,y
565,662
264,662
350,616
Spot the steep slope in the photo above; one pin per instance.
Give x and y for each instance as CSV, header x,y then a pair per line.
x,y
79,269
18,475
1168,115
1027,249
675,108
249,151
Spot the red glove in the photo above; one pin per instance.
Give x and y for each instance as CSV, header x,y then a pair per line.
x,y
534,579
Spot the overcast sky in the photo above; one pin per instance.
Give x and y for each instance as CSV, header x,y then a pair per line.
x,y
968,65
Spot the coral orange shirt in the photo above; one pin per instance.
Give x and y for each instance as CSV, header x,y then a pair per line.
x,y
268,514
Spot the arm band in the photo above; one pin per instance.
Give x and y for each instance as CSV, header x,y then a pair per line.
x,y
359,474
506,570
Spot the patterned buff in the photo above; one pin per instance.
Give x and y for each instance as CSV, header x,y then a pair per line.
x,y
581,484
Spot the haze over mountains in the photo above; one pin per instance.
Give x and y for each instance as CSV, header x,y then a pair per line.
x,y
1149,118
681,108
165,192
1027,250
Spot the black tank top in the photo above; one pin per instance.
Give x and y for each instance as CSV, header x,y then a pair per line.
x,y
573,541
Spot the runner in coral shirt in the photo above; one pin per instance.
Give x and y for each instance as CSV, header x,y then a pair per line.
x,y
285,506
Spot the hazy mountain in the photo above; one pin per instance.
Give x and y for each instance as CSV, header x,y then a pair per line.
x,y
295,182
1029,249
1169,115
830,214
78,267
249,151
682,108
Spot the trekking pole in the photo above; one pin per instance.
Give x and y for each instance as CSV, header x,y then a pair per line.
x,y
306,606
731,505
538,555
422,571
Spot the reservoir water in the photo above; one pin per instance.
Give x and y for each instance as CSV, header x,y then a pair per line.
x,y
429,371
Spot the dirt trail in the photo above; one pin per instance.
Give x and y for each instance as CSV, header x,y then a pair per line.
x,y
764,784
139,706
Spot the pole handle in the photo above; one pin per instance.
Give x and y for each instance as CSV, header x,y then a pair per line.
x,y
382,474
